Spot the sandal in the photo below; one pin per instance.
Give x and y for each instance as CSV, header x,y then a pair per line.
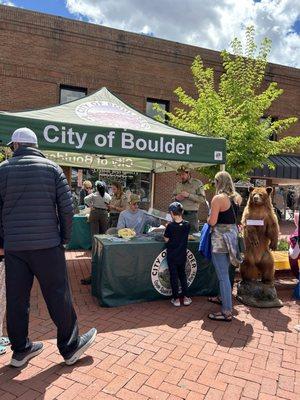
x,y
2,350
215,300
220,317
4,341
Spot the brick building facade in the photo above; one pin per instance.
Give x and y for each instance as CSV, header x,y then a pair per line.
x,y
41,53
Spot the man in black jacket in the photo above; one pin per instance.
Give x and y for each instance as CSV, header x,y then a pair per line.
x,y
35,221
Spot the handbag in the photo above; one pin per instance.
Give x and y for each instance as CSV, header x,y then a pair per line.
x,y
205,241
240,239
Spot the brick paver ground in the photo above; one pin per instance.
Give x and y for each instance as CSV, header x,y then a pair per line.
x,y
154,351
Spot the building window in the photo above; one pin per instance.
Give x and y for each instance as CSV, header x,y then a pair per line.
x,y
272,137
70,93
151,112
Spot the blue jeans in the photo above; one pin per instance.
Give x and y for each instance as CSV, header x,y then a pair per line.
x,y
221,263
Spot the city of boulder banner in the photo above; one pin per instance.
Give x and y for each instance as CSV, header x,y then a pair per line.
x,y
56,136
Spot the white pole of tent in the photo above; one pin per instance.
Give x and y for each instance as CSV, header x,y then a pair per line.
x,y
152,184
222,167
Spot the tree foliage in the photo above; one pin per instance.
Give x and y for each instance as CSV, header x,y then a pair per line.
x,y
236,107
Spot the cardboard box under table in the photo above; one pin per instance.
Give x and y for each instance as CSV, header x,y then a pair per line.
x,y
137,270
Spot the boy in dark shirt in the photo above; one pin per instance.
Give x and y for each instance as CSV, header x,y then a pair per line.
x,y
176,238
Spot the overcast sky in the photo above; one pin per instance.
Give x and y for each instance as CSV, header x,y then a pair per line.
x,y
205,23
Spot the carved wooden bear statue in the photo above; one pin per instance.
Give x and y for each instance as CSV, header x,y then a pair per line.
x,y
261,233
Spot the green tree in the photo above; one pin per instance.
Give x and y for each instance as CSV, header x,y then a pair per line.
x,y
235,108
4,153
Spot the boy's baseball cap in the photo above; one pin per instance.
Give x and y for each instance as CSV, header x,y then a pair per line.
x,y
176,207
23,135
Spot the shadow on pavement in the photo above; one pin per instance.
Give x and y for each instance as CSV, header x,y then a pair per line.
x,y
41,381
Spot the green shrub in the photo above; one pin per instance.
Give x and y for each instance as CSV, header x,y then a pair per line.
x,y
283,245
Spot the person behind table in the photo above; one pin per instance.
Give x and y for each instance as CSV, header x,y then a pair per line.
x,y
98,202
224,209
4,341
36,220
135,218
85,191
176,238
118,204
190,193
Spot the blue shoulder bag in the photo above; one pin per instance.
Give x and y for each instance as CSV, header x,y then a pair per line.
x,y
205,241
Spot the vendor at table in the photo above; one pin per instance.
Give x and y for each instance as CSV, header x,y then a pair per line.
x,y
190,193
98,202
118,204
135,218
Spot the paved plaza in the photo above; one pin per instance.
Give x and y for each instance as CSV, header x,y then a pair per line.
x,y
154,351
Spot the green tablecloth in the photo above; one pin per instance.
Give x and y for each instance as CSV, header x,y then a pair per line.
x,y
136,271
81,234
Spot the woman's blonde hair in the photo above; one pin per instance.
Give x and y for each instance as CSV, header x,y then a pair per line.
x,y
224,184
87,184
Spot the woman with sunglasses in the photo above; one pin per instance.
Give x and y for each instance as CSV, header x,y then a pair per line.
x,y
85,191
224,209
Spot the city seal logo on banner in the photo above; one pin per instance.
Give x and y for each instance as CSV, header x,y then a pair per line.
x,y
111,114
160,272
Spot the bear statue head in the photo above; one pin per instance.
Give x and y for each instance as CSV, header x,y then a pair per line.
x,y
260,196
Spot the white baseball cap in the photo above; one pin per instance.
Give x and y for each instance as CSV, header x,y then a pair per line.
x,y
23,135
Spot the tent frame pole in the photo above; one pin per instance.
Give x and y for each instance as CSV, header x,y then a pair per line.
x,y
222,167
152,184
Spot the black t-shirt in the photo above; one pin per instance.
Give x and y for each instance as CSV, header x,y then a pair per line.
x,y
177,233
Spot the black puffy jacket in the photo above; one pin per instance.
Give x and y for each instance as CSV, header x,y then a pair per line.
x,y
35,202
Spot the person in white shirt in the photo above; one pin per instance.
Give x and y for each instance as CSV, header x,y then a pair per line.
x,y
98,202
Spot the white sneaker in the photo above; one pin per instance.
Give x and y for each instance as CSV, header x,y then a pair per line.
x,y
176,302
187,301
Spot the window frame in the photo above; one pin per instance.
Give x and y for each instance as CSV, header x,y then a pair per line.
x,y
71,88
154,100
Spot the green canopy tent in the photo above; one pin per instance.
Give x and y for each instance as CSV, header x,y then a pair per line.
x,y
100,131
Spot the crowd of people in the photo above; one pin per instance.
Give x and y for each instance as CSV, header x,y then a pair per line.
x,y
36,218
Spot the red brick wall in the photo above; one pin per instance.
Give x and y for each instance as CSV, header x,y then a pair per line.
x,y
39,52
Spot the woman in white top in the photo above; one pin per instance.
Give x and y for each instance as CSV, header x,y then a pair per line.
x,y
98,202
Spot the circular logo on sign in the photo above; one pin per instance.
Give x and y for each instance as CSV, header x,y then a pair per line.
x,y
160,272
111,115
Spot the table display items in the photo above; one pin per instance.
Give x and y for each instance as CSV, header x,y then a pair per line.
x,y
126,233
